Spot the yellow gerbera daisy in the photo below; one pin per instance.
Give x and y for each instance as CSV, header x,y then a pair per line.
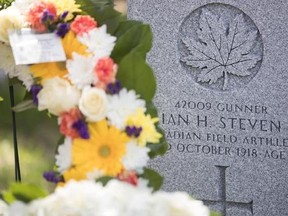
x,y
75,174
53,69
72,44
149,133
66,5
103,151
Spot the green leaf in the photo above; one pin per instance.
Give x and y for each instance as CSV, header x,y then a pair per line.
x,y
1,99
215,214
24,105
155,180
110,17
28,96
104,180
61,140
5,3
23,192
103,12
151,109
14,81
125,26
160,148
136,39
95,4
135,73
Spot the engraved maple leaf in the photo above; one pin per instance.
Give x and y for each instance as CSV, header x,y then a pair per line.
x,y
223,48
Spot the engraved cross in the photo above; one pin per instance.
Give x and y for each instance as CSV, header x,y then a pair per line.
x,y
223,197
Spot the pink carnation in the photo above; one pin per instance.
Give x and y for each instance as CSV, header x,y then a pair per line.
x,y
129,177
67,119
83,24
106,71
35,15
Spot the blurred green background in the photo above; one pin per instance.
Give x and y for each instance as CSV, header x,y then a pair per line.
x,y
37,137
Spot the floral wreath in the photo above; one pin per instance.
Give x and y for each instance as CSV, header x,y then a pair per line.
x,y
101,94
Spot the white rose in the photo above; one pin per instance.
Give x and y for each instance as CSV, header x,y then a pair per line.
x,y
58,96
9,19
93,104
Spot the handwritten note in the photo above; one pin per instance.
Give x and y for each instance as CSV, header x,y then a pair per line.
x,y
31,48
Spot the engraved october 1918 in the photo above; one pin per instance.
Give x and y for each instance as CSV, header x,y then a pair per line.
x,y
222,74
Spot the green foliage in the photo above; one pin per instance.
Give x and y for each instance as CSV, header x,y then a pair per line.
x,y
133,38
1,99
160,148
104,180
133,43
103,12
125,27
23,192
5,3
155,180
110,17
215,214
14,81
95,4
135,73
24,105
151,109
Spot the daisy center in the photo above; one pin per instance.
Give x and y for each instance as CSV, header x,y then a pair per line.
x,y
104,151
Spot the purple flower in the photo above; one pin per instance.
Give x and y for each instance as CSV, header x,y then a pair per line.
x,y
62,29
35,89
64,15
52,177
114,88
47,17
82,129
133,131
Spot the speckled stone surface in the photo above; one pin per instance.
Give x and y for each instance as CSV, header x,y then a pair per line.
x,y
221,68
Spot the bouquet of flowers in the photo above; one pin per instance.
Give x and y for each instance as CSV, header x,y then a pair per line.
x,y
101,93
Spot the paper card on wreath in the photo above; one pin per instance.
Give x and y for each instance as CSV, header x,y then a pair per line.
x,y
31,48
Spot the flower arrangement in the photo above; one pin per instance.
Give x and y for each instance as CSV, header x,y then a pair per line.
x,y
115,199
102,97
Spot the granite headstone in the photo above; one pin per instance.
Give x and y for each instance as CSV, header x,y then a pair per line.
x,y
222,72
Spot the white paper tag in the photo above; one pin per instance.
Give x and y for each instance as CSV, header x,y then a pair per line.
x,y
31,48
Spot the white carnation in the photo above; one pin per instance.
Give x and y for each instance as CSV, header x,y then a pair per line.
x,y
18,209
94,175
178,204
123,105
81,70
134,200
10,19
87,198
58,96
98,41
64,156
7,64
84,198
25,76
23,5
136,157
